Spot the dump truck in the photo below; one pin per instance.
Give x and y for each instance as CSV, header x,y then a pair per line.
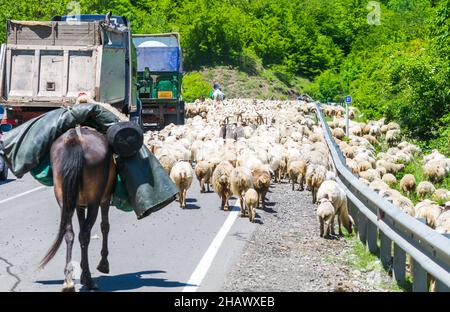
x,y
159,70
46,65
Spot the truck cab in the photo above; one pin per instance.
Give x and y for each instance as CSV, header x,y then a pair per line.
x,y
45,65
159,72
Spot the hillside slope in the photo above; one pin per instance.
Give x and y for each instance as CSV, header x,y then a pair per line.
x,y
240,84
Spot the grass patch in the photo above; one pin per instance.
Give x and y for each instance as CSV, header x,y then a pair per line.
x,y
360,259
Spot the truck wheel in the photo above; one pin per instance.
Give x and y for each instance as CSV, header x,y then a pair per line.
x,y
3,170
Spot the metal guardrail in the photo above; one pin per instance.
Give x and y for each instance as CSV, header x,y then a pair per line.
x,y
387,229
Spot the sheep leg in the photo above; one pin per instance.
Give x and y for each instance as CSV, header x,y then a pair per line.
x,y
313,190
326,233
222,206
225,201
202,185
259,198
321,227
302,182
339,225
241,200
184,198
263,199
332,226
293,182
207,186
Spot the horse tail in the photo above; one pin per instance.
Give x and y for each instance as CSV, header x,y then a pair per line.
x,y
71,170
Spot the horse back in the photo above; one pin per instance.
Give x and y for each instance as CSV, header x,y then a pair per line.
x,y
98,173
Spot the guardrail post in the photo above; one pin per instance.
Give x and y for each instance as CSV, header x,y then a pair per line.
x,y
441,287
362,227
353,211
372,232
399,265
385,250
419,278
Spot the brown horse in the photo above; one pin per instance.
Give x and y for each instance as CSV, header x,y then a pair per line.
x,y
84,176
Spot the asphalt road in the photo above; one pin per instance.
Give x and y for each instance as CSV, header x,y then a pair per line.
x,y
170,250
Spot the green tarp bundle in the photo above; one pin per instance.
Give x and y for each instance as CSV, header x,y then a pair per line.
x,y
142,183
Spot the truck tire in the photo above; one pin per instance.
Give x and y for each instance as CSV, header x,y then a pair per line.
x,y
3,170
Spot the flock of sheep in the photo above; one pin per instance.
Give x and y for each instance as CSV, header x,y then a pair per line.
x,y
378,170
241,146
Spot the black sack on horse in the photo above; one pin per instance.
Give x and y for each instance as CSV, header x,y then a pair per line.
x,y
26,147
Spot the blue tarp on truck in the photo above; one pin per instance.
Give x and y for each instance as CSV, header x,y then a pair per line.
x,y
158,59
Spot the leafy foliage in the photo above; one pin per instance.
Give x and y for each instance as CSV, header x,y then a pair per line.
x,y
195,87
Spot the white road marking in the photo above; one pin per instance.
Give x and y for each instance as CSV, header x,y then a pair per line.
x,y
22,194
205,263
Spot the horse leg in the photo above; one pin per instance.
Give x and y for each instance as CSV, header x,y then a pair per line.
x,y
69,285
103,266
85,238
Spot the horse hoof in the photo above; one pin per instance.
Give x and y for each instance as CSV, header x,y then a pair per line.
x,y
103,267
68,287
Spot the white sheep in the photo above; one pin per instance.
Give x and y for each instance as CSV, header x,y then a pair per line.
x,y
392,136
435,170
251,202
297,171
429,211
315,175
241,181
325,212
333,192
408,184
182,175
425,188
203,171
221,182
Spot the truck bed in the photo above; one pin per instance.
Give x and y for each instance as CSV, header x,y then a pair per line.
x,y
49,63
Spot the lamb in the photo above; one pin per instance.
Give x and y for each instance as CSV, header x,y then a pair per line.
x,y
325,213
241,181
315,175
408,184
182,174
251,202
221,182
297,171
389,179
203,171
330,190
261,184
425,188
429,211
